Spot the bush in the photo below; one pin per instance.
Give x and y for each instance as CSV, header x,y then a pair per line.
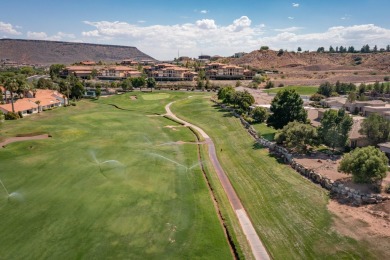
x,y
387,78
20,114
11,116
387,189
73,104
281,85
269,84
259,114
366,165
316,97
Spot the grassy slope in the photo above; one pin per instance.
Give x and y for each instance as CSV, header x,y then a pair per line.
x,y
149,208
265,131
301,90
288,211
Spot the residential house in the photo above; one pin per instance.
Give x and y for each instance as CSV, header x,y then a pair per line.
x,y
24,106
334,102
357,139
170,72
358,106
385,147
79,71
118,72
88,63
224,71
129,62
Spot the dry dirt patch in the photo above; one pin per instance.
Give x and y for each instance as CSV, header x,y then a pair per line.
x,y
22,138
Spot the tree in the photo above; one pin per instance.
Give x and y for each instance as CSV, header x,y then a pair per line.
x,y
264,48
245,100
259,114
287,106
151,83
367,164
321,49
138,82
376,128
331,49
299,49
297,136
98,92
225,93
55,70
12,86
127,84
77,90
280,52
325,89
334,129
94,73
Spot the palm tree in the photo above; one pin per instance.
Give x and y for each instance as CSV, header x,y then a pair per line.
x,y
38,103
12,86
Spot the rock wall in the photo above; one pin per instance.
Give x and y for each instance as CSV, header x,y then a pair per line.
x,y
336,188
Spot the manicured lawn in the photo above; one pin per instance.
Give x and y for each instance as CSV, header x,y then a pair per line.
x,y
108,184
288,211
301,90
265,131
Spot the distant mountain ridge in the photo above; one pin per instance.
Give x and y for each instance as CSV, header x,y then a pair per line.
x,y
50,52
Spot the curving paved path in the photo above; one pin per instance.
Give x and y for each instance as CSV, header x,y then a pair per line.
x,y
255,243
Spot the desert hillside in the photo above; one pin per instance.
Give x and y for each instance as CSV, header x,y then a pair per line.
x,y
313,61
49,52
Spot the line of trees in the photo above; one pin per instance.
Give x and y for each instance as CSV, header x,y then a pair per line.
x,y
350,49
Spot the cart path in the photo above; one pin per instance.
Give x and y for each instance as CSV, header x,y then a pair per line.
x,y
24,138
257,247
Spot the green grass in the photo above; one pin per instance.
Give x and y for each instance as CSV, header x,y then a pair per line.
x,y
265,131
288,211
146,208
301,90
155,96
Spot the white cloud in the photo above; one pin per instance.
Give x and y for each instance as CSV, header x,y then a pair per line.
x,y
163,41
209,37
241,23
290,17
204,11
37,35
8,28
356,35
289,29
295,4
56,37
206,24
141,21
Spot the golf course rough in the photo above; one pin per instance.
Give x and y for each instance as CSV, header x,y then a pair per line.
x,y
110,183
289,212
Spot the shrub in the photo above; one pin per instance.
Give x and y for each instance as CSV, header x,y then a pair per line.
x,y
269,84
11,116
387,189
281,85
316,97
355,73
259,114
73,104
20,114
387,78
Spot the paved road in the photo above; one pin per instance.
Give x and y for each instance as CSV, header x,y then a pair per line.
x,y
256,245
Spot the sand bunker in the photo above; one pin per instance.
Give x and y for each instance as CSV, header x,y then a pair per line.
x,y
23,138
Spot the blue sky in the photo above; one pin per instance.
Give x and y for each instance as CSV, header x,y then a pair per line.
x,y
162,28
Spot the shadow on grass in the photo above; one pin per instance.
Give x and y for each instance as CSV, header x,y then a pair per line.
x,y
257,146
269,137
227,112
278,159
